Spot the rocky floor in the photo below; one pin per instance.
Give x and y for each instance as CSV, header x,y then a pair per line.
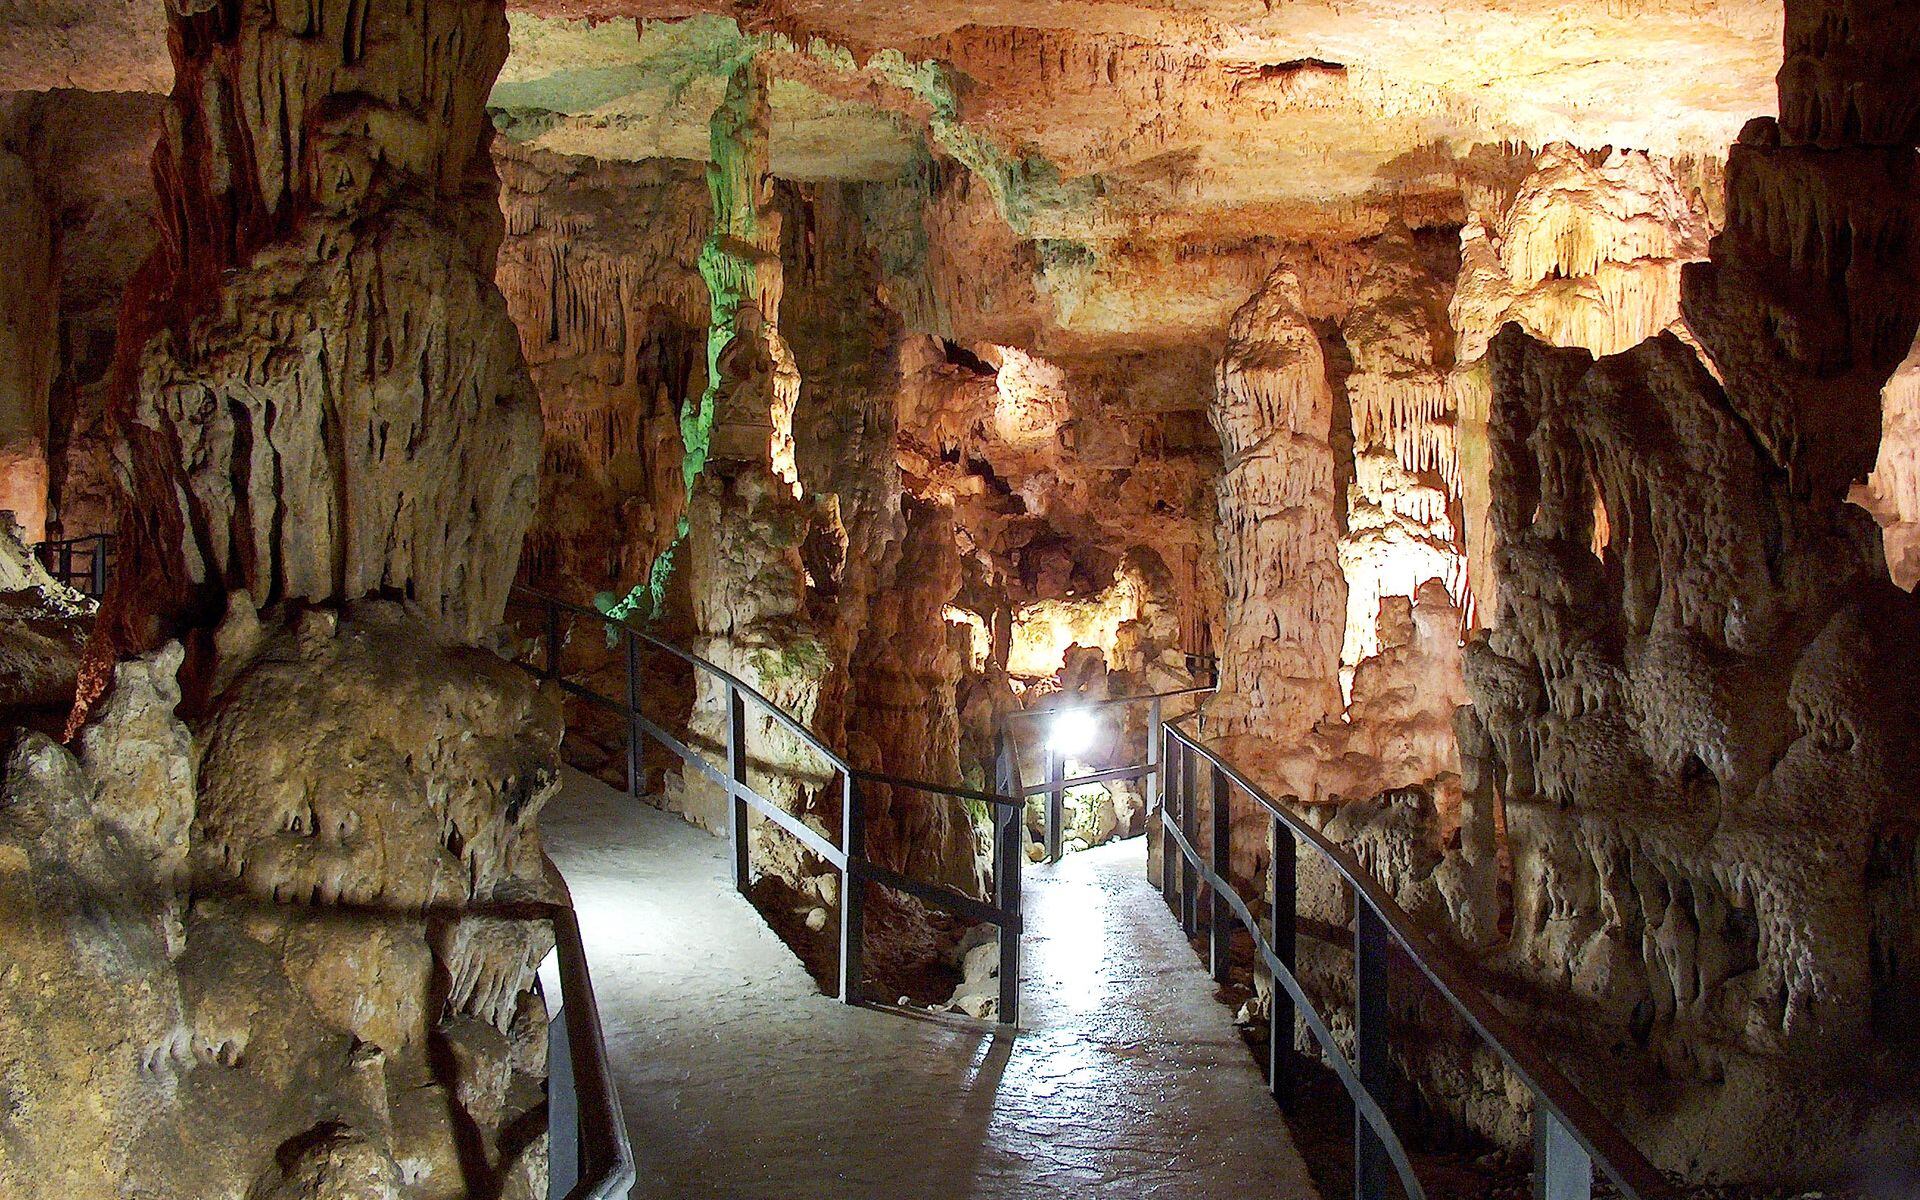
x,y
740,1079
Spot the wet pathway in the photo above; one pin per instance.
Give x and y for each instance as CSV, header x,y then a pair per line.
x,y
740,1079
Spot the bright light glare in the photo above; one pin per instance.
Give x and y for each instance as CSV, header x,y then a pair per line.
x,y
1072,732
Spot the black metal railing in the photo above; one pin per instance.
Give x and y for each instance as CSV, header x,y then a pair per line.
x,y
1571,1138
849,855
1058,783
82,563
588,1154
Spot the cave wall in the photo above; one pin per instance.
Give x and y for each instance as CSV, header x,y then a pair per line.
x,y
86,156
276,899
1702,725
599,268
27,347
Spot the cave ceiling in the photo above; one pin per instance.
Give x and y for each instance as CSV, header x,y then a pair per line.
x,y
1187,119
1145,148
1220,116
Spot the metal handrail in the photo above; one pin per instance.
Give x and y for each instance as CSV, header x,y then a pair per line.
x,y
848,857
590,1156
1571,1136
56,555
1058,782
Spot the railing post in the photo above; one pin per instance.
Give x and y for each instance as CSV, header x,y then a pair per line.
x,y
1010,833
1371,1166
1189,825
563,1103
1282,885
1170,790
1156,788
1056,801
1562,1169
635,757
99,566
1219,916
553,639
853,909
736,786
66,563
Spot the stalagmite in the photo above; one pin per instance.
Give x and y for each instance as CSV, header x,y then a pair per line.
x,y
268,893
1284,595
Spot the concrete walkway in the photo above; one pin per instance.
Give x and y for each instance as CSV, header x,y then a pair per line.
x,y
741,1080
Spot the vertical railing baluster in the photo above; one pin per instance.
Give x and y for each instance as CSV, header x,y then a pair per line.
x,y
1010,829
1282,895
1562,1169
99,566
635,757
737,786
1219,916
1189,825
853,908
1371,1166
1056,801
1156,787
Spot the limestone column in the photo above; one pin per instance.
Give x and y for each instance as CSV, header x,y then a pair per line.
x,y
1285,600
323,396
746,524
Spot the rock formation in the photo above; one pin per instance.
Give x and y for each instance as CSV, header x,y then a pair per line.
x,y
276,907
1285,599
1700,728
928,368
281,366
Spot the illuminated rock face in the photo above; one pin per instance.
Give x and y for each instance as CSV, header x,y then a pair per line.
x,y
1285,600
1587,253
327,397
1702,731
266,908
1892,493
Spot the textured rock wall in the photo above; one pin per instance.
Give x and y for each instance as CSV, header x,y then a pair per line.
x,y
276,910
324,398
1586,253
1702,729
1401,505
1285,599
27,346
283,950
599,268
87,156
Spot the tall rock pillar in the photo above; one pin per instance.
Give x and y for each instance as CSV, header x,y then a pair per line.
x,y
324,397
1285,598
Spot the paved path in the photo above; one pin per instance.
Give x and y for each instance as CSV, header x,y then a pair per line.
x,y
741,1080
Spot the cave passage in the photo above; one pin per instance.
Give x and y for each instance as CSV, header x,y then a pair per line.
x,y
740,1079
458,457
